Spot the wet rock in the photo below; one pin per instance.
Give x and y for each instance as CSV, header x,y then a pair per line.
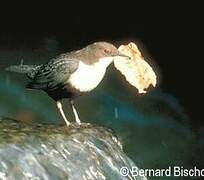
x,y
41,151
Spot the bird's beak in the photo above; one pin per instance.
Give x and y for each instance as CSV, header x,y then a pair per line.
x,y
123,55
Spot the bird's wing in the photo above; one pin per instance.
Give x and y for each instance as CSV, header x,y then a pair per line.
x,y
54,74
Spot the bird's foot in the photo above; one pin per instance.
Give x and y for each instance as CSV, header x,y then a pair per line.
x,y
67,122
82,125
78,121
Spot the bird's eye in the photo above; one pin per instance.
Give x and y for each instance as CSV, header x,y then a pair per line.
x,y
106,51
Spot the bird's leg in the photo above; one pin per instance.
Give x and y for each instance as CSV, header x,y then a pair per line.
x,y
59,106
75,112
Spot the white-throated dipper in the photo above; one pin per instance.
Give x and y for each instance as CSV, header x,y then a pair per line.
x,y
70,74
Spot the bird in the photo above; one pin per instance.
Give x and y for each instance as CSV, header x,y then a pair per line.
x,y
70,74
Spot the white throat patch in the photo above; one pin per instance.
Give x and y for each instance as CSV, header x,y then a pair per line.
x,y
87,77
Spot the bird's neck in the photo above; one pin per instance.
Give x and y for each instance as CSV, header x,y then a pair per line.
x,y
104,62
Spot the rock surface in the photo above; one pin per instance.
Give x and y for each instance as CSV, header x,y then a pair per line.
x,y
51,152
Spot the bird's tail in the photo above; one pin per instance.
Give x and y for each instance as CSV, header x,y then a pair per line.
x,y
23,69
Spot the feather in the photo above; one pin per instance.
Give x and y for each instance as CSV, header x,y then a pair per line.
x,y
53,74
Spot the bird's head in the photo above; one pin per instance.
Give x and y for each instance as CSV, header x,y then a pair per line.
x,y
105,49
101,53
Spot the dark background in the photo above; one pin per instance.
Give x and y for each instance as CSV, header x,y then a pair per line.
x,y
171,33
157,130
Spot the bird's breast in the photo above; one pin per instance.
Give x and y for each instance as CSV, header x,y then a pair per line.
x,y
87,77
